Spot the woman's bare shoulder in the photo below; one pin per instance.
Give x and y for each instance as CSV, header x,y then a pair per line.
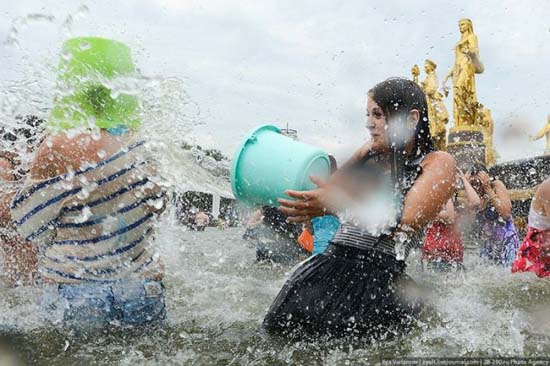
x,y
440,159
499,184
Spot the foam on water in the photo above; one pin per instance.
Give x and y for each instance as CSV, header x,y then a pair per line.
x,y
217,296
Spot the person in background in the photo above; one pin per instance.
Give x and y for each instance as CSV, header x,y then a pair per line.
x,y
276,238
221,224
92,198
442,249
251,225
534,253
201,220
19,257
495,230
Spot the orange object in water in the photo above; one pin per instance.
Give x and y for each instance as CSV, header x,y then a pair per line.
x,y
306,240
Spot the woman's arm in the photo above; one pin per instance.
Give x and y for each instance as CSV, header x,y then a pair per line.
x,y
500,199
472,199
448,213
437,182
327,198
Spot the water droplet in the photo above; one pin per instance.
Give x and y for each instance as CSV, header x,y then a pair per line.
x,y
85,214
82,11
67,55
84,46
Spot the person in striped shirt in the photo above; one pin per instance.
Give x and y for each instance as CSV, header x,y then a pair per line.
x,y
91,202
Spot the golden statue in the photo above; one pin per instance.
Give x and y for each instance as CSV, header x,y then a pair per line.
x,y
437,112
485,121
415,71
467,64
544,132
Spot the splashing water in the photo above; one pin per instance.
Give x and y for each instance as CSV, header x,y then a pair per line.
x,y
217,294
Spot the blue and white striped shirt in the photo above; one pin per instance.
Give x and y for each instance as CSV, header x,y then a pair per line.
x,y
95,224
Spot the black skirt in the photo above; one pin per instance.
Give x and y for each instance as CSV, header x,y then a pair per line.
x,y
345,291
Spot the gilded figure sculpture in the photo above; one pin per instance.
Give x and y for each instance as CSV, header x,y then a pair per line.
x,y
437,112
485,121
467,64
415,71
544,132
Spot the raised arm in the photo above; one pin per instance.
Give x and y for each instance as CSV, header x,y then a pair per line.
x,y
471,199
433,188
500,198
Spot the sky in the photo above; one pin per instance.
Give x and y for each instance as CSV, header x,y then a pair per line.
x,y
308,64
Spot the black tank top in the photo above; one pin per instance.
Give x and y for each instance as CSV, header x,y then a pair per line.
x,y
393,245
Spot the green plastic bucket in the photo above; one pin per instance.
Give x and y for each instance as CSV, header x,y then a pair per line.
x,y
268,163
86,67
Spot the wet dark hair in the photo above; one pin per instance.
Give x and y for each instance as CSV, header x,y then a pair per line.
x,y
477,167
397,97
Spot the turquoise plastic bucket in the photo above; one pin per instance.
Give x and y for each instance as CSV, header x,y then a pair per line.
x,y
268,163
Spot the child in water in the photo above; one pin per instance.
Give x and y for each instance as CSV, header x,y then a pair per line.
x,y
91,199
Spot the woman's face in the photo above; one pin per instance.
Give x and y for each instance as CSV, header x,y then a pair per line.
x,y
376,124
476,183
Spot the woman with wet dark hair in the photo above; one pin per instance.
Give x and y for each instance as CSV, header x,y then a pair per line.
x,y
358,285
